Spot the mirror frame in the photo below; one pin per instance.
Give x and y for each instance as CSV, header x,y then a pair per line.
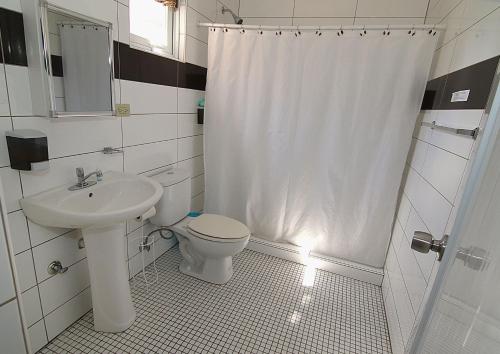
x,y
45,7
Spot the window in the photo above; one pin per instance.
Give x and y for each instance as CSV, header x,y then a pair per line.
x,y
152,27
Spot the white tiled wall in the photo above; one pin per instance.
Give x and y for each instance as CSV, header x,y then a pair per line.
x,y
333,12
198,11
437,165
161,132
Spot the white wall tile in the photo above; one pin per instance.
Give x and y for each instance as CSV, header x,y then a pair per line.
x,y
19,90
266,8
193,18
417,154
397,345
188,125
149,98
37,335
190,147
58,86
57,290
454,24
457,144
478,43
5,125
4,97
194,165
7,289
392,8
62,171
196,52
188,100
441,61
197,185
389,20
432,206
197,202
40,234
31,306
71,136
232,4
322,21
442,8
268,21
19,232
12,188
146,157
123,24
148,128
444,171
205,7
397,236
325,8
134,240
475,10
401,299
227,17
13,5
25,270
65,315
64,249
11,335
404,210
414,281
425,261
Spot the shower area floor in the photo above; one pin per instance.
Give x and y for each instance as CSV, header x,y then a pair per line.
x,y
264,308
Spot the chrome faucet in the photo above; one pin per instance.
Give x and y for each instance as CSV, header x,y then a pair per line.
x,y
82,179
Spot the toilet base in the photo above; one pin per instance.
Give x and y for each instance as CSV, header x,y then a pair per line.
x,y
215,271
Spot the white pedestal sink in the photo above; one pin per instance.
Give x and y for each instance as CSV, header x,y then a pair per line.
x,y
99,211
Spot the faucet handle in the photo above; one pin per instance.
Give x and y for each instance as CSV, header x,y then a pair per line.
x,y
80,172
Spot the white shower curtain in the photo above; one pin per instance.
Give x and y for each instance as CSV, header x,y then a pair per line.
x,y
85,52
306,136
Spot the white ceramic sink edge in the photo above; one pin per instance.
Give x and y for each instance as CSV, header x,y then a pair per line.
x,y
118,197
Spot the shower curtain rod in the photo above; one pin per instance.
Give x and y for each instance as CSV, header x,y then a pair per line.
x,y
325,28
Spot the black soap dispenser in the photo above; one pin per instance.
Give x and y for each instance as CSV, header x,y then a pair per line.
x,y
28,149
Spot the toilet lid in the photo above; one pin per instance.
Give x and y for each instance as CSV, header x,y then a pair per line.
x,y
218,226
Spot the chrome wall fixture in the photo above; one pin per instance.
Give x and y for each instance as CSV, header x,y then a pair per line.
x,y
55,267
473,133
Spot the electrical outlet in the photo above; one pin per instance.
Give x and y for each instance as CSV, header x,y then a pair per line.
x,y
122,110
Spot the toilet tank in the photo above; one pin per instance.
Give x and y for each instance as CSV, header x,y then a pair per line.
x,y
175,203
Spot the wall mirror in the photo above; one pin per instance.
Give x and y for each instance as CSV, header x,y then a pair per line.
x,y
78,55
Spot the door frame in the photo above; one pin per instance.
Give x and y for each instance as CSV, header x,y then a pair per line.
x,y
481,160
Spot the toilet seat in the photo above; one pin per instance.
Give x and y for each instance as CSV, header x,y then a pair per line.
x,y
218,228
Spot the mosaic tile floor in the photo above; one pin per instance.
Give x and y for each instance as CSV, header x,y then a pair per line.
x,y
265,308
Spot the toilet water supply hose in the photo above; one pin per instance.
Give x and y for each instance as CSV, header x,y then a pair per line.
x,y
150,277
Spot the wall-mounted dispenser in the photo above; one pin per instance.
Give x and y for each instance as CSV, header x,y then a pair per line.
x,y
28,149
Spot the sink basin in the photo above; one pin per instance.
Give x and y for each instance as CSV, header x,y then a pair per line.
x,y
99,211
118,197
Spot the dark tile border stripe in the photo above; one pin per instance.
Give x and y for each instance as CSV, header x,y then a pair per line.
x,y
57,66
137,65
477,78
13,44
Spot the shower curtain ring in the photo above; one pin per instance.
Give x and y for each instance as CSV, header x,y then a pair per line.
x,y
260,29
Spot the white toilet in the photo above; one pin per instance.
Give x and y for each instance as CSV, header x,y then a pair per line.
x,y
207,242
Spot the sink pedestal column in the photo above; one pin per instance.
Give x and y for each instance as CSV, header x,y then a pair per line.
x,y
111,298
